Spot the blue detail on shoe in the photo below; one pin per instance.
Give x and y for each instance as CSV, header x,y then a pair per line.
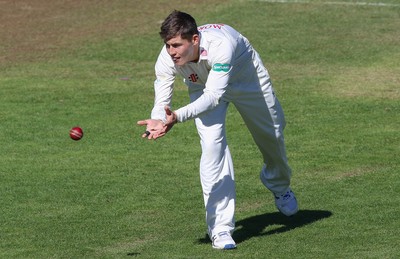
x,y
287,203
229,246
284,196
223,240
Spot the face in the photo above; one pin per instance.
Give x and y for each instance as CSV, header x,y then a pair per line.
x,y
183,51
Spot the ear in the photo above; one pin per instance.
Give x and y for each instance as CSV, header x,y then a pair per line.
x,y
196,39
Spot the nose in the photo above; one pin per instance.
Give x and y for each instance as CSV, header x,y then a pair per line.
x,y
171,51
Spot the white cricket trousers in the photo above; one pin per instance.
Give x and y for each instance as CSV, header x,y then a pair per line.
x,y
264,118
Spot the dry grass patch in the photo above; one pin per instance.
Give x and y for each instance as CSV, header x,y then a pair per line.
x,y
34,29
374,82
371,82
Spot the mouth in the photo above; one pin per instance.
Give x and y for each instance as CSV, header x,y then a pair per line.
x,y
175,59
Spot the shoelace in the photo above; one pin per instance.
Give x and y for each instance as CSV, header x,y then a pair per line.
x,y
221,234
285,196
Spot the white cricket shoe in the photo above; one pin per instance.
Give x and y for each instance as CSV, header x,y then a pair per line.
x,y
286,203
223,240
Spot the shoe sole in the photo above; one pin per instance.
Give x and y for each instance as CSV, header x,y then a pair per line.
x,y
226,247
292,213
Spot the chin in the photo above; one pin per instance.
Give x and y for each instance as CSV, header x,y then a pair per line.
x,y
180,63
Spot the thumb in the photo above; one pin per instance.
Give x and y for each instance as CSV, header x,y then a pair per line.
x,y
167,110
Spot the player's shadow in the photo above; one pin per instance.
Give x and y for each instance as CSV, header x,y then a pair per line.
x,y
272,223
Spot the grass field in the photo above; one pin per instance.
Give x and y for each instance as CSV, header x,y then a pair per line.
x,y
335,67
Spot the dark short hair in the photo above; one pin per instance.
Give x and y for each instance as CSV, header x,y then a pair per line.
x,y
178,23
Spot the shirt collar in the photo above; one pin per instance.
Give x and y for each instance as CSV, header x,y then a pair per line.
x,y
203,55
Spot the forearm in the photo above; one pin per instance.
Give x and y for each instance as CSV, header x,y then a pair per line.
x,y
163,94
163,85
205,102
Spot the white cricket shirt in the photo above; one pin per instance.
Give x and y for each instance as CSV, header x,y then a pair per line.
x,y
226,58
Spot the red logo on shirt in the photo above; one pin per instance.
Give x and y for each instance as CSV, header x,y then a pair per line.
x,y
193,78
209,26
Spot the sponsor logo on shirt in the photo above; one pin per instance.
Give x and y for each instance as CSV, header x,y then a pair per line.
x,y
210,26
218,67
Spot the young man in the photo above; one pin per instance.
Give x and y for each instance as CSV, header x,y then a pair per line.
x,y
220,66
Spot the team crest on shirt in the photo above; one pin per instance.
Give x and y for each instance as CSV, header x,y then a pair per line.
x,y
193,78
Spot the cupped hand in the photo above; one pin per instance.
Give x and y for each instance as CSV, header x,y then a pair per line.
x,y
154,128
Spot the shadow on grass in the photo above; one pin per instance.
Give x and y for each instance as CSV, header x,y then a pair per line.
x,y
133,254
272,223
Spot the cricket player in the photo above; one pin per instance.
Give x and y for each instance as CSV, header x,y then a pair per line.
x,y
219,67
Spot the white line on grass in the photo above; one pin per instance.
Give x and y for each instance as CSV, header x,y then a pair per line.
x,y
328,3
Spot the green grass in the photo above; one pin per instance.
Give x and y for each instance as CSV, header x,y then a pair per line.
x,y
114,195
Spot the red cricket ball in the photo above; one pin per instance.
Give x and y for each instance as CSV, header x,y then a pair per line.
x,y
76,133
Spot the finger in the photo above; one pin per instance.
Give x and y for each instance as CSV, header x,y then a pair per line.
x,y
148,137
146,134
154,136
160,135
143,122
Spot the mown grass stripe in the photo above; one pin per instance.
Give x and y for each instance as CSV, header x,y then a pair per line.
x,y
379,4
